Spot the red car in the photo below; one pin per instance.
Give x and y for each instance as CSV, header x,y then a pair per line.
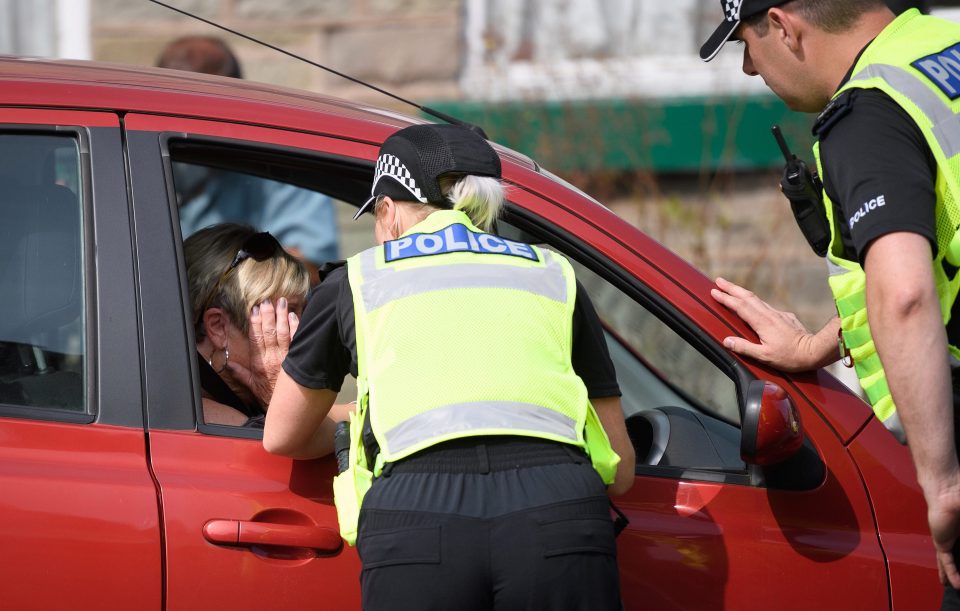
x,y
755,489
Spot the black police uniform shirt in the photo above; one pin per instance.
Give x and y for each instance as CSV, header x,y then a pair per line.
x,y
880,175
324,348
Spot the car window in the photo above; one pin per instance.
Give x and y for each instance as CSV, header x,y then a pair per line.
x,y
295,198
305,221
672,370
682,410
42,347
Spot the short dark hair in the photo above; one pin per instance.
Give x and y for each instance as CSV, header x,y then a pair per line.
x,y
832,16
206,54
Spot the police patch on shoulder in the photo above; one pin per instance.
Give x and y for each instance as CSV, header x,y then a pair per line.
x,y
943,69
455,238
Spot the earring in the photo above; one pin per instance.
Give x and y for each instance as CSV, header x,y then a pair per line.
x,y
226,359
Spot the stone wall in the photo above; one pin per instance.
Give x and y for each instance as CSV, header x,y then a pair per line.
x,y
412,47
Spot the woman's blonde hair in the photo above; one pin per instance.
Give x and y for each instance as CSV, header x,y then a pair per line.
x,y
208,255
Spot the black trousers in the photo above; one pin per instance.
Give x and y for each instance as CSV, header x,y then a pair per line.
x,y
501,524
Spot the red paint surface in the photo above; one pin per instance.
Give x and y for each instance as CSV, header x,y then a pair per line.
x,y
79,523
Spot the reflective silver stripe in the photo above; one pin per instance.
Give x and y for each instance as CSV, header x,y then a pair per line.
x,y
946,123
895,427
480,415
381,286
835,270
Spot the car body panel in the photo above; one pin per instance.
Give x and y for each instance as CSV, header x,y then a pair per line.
x,y
204,478
743,546
78,518
890,478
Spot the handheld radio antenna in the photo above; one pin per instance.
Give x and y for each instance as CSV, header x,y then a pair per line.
x,y
787,155
425,109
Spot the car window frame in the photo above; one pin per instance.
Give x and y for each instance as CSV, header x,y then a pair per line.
x,y
91,410
301,155
570,245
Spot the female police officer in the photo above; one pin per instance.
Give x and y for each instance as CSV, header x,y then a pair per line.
x,y
477,456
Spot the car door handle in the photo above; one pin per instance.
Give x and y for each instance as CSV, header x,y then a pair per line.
x,y
247,534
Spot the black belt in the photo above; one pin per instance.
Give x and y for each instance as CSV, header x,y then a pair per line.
x,y
486,454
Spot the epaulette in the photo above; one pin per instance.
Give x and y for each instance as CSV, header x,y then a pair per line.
x,y
835,110
325,269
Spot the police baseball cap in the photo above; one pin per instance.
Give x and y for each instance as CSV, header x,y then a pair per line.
x,y
734,11
412,160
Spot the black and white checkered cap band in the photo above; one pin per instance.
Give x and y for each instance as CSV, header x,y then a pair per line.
x,y
390,165
731,10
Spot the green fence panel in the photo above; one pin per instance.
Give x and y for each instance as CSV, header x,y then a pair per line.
x,y
672,135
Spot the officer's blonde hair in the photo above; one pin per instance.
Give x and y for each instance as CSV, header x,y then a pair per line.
x,y
208,254
479,197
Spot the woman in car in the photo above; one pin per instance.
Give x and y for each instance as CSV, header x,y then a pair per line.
x,y
246,292
488,408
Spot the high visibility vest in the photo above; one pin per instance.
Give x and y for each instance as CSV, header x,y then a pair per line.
x,y
462,333
916,61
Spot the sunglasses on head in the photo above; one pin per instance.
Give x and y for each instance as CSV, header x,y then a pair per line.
x,y
259,247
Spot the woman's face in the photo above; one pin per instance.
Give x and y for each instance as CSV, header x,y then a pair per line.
x,y
238,341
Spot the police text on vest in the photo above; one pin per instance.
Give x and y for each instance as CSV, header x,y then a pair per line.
x,y
456,238
865,209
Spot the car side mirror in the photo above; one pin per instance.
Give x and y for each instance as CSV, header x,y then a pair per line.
x,y
771,431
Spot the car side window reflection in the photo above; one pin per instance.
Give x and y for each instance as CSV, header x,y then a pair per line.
x,y
304,221
681,410
682,374
42,348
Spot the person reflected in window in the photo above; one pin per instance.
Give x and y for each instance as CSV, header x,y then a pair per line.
x,y
304,221
246,294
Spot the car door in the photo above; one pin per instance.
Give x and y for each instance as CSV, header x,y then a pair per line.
x,y
706,531
79,520
242,529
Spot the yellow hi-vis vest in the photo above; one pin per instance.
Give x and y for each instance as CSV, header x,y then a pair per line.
x,y
462,333
916,61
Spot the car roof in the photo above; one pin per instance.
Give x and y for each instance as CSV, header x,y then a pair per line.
x,y
118,87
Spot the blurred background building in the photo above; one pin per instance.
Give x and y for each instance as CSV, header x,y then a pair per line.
x,y
609,94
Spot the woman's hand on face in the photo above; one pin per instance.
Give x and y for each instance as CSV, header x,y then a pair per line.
x,y
271,329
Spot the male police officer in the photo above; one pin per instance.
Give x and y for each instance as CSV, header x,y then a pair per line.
x,y
889,153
